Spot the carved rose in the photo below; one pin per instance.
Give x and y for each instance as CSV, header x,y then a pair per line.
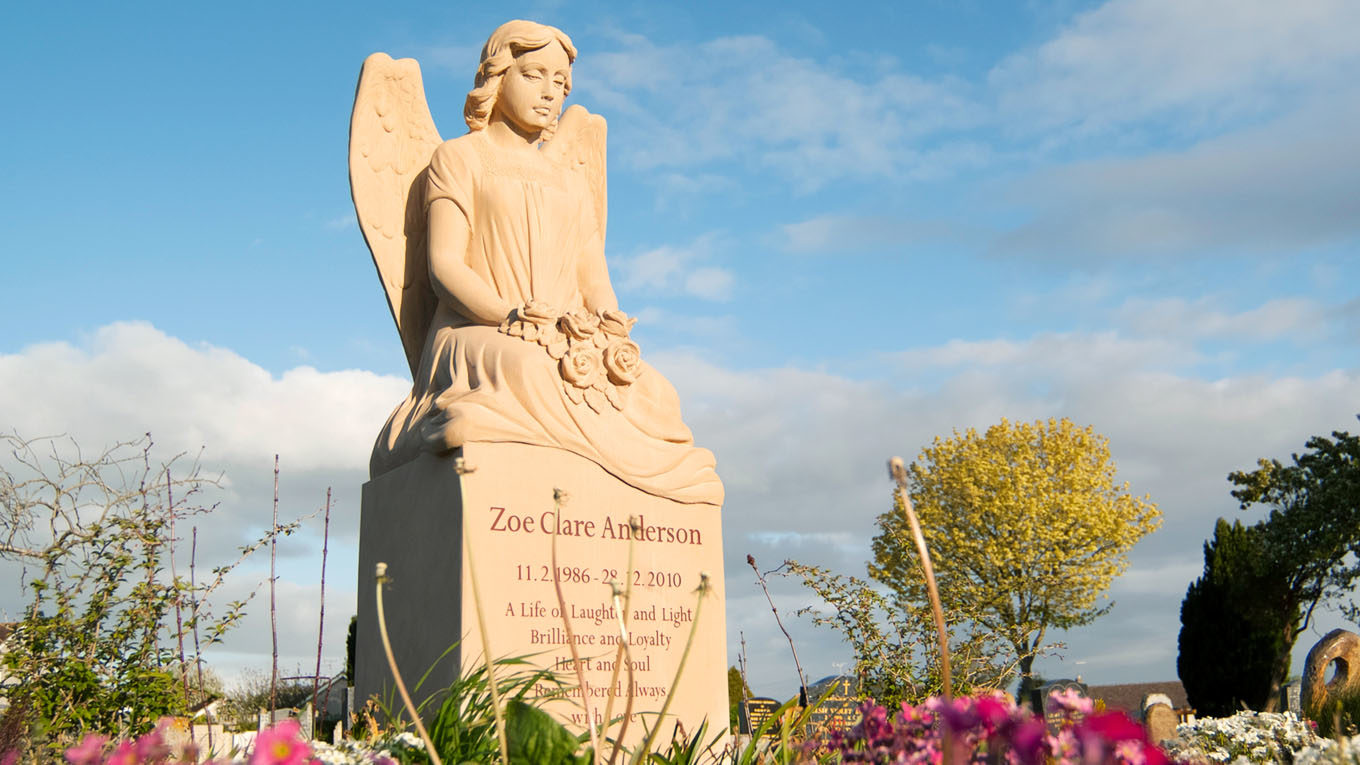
x,y
581,365
532,321
537,313
616,323
579,325
623,361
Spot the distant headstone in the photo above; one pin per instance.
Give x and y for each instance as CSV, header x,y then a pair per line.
x,y
1152,699
839,704
1054,713
303,714
1159,720
347,714
754,714
1291,698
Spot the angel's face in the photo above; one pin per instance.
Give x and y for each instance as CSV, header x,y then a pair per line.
x,y
533,88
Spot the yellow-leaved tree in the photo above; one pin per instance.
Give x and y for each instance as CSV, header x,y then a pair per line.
x,y
1025,524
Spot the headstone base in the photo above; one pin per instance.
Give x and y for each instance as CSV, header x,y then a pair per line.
x,y
413,520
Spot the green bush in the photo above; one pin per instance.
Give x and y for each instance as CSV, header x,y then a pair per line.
x,y
94,536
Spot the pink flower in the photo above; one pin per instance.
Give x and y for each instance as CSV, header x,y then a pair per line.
x,y
90,751
124,754
993,711
152,746
281,744
1071,700
1114,726
1027,741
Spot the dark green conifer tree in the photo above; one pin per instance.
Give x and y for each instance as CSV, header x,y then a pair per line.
x,y
1232,627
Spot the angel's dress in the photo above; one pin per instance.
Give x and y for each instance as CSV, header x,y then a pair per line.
x,y
530,221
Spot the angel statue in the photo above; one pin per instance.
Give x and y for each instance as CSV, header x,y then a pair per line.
x,y
491,249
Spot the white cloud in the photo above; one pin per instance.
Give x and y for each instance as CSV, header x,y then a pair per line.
x,y
803,457
129,378
1169,578
1288,184
1280,317
744,98
1075,354
840,233
670,269
656,268
710,283
1203,62
802,453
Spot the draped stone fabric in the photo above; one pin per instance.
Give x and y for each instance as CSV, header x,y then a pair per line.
x,y
530,220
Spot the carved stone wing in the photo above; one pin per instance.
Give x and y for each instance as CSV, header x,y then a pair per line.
x,y
579,144
391,139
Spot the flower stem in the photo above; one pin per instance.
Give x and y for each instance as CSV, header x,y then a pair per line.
x,y
802,679
559,498
622,654
463,470
702,590
381,577
899,476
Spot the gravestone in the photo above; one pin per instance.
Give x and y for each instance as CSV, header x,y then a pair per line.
x,y
304,716
1291,698
510,529
754,713
1159,720
1053,713
527,387
837,703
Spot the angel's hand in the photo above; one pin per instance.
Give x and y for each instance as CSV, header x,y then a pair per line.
x,y
530,321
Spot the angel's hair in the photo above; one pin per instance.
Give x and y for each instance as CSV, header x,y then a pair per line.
x,y
508,41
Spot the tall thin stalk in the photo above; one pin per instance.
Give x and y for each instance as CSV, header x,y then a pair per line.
x,y
198,652
463,469
273,598
381,579
802,679
741,666
702,591
898,471
559,499
623,654
174,581
321,621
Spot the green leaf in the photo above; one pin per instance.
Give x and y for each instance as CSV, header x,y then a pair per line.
x,y
534,738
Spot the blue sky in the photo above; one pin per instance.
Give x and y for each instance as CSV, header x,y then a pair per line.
x,y
844,233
